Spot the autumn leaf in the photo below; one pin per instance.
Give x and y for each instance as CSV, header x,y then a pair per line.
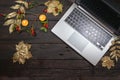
x,y
11,28
17,6
60,7
8,22
22,53
54,7
23,2
11,15
22,9
26,4
107,62
115,54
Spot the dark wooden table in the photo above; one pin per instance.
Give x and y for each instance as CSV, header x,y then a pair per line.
x,y
52,58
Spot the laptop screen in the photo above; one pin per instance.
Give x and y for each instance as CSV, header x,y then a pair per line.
x,y
114,4
103,12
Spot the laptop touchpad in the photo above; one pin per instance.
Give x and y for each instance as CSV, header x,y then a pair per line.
x,y
78,41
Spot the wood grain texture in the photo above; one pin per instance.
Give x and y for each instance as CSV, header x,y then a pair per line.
x,y
52,58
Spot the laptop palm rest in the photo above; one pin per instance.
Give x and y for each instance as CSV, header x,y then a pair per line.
x,y
78,41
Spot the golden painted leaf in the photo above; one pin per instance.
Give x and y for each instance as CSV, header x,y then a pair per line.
x,y
15,57
21,60
113,42
28,46
115,54
50,10
54,7
107,62
11,28
116,58
60,7
105,58
112,48
11,15
47,3
22,9
17,6
18,22
55,3
55,13
117,42
118,47
22,53
9,22
23,2
29,55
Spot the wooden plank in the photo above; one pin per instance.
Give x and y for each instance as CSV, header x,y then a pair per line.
x,y
99,78
45,68
60,77
14,78
42,51
47,64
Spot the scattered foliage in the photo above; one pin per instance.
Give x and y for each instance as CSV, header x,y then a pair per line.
x,y
22,53
114,54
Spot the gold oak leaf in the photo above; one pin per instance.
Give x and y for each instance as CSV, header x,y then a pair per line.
x,y
22,53
107,62
54,7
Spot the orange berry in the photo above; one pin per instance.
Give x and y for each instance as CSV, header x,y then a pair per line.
x,y
25,22
42,17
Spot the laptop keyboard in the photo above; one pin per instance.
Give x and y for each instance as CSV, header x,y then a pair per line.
x,y
89,29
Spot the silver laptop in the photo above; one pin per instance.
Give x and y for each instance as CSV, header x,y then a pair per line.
x,y
84,32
